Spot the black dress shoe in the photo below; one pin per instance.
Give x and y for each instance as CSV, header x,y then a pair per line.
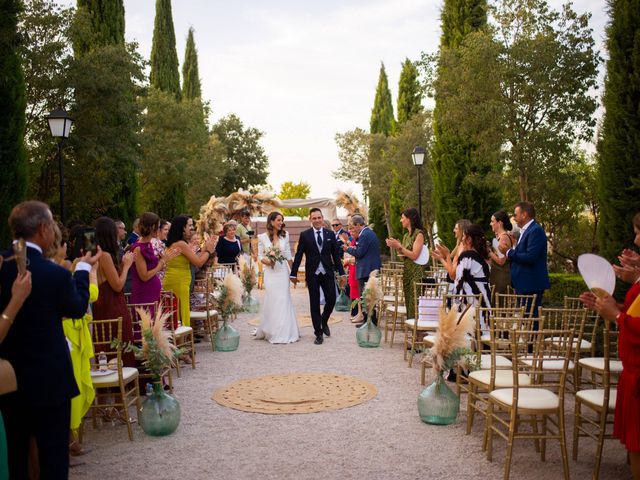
x,y
326,330
318,340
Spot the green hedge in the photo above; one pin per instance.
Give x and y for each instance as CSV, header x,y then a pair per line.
x,y
563,284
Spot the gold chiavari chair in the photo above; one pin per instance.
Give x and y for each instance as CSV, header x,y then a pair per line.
x,y
536,396
205,315
514,300
595,366
181,335
151,307
591,325
118,389
427,299
391,280
600,401
499,375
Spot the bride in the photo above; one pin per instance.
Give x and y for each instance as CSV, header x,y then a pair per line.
x,y
278,322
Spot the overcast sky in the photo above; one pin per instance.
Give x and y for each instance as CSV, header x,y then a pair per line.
x,y
302,71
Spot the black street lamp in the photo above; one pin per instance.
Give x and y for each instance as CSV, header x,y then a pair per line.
x,y
418,160
60,126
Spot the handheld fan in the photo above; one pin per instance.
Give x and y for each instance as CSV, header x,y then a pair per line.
x,y
597,273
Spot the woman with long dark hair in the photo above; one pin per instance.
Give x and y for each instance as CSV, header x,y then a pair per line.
x,y
177,276
278,322
410,248
500,276
112,275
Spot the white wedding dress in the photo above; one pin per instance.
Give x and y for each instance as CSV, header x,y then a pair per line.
x,y
278,323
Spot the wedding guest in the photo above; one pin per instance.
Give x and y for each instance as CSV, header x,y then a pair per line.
x,y
470,270
500,276
177,277
350,268
410,248
145,283
528,256
41,406
159,243
112,274
229,246
242,231
626,426
367,254
135,232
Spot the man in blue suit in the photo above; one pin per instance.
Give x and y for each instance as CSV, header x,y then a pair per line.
x,y
367,255
528,258
36,347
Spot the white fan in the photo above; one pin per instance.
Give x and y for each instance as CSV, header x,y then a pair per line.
x,y
423,258
597,273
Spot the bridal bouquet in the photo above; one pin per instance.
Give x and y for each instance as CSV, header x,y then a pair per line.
x,y
275,255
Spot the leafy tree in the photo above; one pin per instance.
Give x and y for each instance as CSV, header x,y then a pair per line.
x,y
459,173
44,29
619,145
164,73
107,24
409,92
245,162
12,105
291,190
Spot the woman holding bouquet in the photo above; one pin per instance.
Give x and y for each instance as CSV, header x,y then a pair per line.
x,y
278,322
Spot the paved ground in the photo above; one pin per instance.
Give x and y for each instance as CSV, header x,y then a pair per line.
x,y
381,439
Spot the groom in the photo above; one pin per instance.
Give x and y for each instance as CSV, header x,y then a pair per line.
x,y
322,253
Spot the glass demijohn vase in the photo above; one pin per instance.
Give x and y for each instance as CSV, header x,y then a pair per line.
x,y
227,338
160,412
249,303
368,335
437,404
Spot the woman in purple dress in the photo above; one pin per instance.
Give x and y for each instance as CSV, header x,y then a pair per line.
x,y
145,283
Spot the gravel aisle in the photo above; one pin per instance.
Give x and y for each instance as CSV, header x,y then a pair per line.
x,y
380,439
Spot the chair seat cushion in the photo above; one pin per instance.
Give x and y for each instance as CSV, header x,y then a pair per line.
x,y
504,378
501,362
597,363
422,324
430,340
528,398
402,310
550,364
389,298
595,397
183,330
584,344
128,374
201,315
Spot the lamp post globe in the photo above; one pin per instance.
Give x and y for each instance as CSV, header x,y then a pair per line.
x,y
60,126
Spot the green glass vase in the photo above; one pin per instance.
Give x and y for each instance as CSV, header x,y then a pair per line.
x,y
227,338
160,413
249,303
368,335
437,404
343,304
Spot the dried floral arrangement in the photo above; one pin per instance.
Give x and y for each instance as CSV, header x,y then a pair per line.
x,y
212,216
261,203
372,294
247,275
349,202
229,297
451,347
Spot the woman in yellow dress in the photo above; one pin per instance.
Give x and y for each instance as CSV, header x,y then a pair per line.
x,y
177,277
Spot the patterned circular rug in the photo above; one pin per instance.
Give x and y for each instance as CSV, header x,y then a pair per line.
x,y
304,321
295,393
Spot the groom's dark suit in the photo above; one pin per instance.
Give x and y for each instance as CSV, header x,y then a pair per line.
x,y
320,264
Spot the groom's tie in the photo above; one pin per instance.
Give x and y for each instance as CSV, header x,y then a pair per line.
x,y
319,239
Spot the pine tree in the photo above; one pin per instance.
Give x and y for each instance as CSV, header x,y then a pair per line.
x,y
107,24
619,145
382,120
13,162
164,73
459,190
191,86
409,92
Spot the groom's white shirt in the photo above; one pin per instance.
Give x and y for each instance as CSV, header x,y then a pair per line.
x,y
320,270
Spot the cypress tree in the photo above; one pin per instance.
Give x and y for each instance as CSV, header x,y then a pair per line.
x,y
107,24
13,161
191,87
164,73
454,168
619,145
409,92
382,122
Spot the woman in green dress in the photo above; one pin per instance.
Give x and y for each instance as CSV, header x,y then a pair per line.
x,y
411,248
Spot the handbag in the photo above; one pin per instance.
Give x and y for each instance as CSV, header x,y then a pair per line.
x,y
8,382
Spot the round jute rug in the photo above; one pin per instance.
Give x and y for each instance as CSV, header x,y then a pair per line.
x,y
295,393
304,321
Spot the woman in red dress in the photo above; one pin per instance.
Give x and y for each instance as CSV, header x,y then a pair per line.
x,y
627,415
